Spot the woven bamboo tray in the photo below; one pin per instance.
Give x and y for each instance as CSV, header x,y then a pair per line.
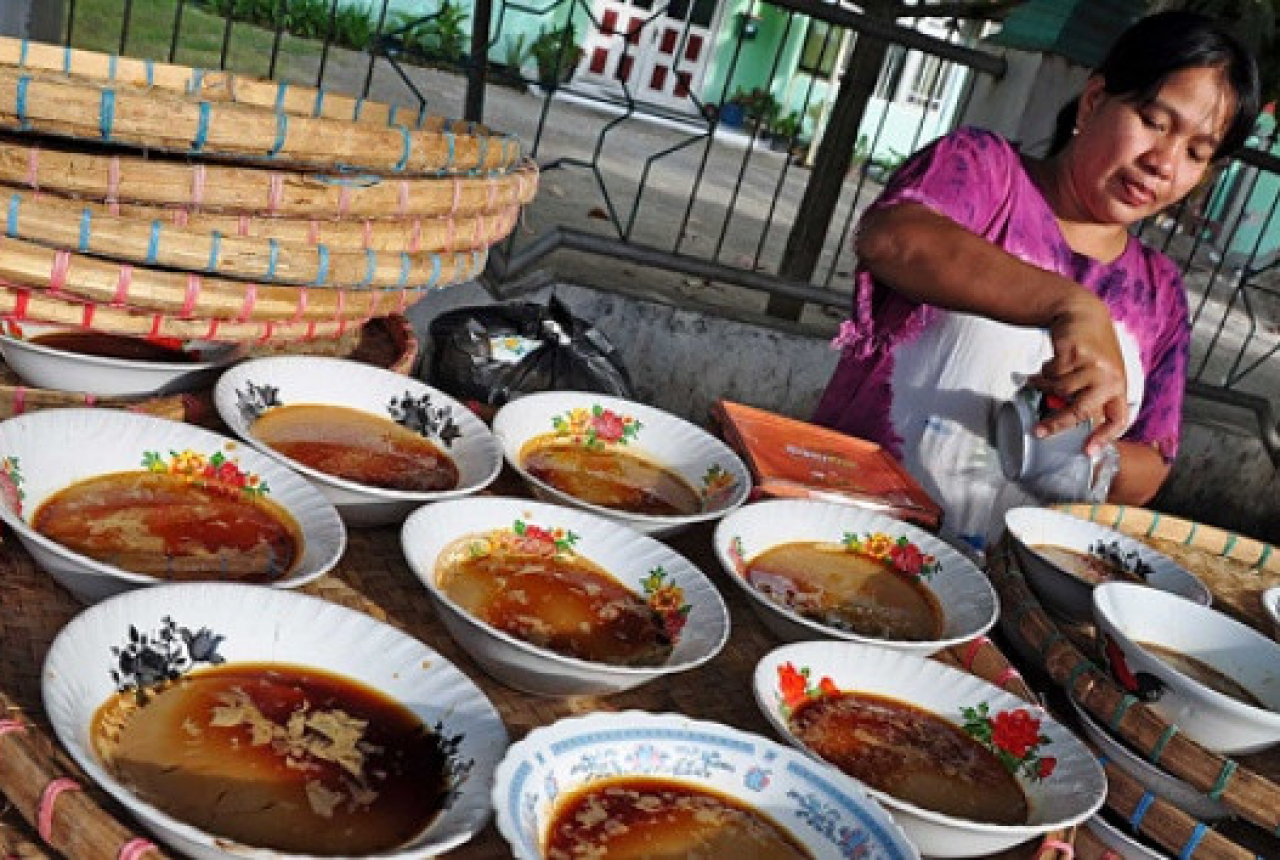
x,y
113,177
57,104
1246,785
166,242
372,577
216,86
189,295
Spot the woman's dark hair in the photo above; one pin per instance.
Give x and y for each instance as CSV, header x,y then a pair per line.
x,y
1158,46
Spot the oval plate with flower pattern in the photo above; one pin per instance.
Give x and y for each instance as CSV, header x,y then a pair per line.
x,y
591,420
132,640
1062,781
963,592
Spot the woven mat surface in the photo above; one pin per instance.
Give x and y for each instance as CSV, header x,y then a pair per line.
x,y
374,578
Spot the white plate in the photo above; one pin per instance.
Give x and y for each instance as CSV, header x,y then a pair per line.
x,y
702,460
963,591
1070,595
1121,842
1074,791
253,387
627,555
44,452
827,812
43,366
1181,794
282,627
1129,616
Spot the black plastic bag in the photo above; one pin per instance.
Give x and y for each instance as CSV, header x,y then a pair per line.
x,y
490,354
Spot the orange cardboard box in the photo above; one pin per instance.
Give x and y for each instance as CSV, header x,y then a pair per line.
x,y
790,458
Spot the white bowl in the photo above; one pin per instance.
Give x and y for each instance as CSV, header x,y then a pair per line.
x,y
1128,614
826,811
1181,794
963,591
1121,842
1271,605
283,627
625,554
1069,595
702,460
43,366
251,388
44,452
1074,791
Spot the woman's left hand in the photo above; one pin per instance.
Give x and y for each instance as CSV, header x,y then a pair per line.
x,y
1086,373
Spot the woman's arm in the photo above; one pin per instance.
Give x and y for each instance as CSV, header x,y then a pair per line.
x,y
927,257
1142,471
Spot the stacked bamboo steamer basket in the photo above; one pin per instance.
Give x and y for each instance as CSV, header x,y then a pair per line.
x,y
158,200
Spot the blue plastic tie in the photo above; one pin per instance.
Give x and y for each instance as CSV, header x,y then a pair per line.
x,y
317,109
150,66
370,266
1193,842
153,241
273,258
86,229
111,66
406,146
282,131
215,245
106,113
359,107
20,101
391,115
22,53
11,224
202,128
280,91
404,270
435,271
66,60
196,82
1140,812
322,268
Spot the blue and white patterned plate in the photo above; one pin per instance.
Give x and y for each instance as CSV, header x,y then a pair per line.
x,y
827,812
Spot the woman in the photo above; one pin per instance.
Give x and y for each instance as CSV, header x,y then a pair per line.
x,y
979,268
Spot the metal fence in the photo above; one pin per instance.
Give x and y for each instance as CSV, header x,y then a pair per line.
x,y
704,209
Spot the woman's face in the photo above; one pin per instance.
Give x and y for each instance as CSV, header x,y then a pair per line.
x,y
1128,160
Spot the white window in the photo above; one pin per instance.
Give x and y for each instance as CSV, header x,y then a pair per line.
x,y
930,82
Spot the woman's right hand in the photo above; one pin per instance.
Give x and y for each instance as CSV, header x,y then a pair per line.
x,y
1086,373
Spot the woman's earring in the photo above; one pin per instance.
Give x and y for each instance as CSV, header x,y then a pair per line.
x,y
1075,131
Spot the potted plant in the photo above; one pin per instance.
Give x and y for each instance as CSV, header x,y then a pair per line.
x,y
784,131
557,53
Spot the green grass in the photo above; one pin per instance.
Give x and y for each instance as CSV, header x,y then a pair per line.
x,y
97,25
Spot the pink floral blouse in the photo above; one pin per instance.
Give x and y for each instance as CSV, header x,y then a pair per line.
x,y
924,382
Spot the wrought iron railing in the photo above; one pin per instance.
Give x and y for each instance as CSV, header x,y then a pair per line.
x,y
678,193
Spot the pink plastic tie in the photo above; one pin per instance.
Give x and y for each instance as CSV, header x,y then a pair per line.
x,y
344,200
275,192
197,185
250,299
48,799
192,296
33,168
123,282
302,303
971,652
415,236
58,272
135,848
242,225
404,197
